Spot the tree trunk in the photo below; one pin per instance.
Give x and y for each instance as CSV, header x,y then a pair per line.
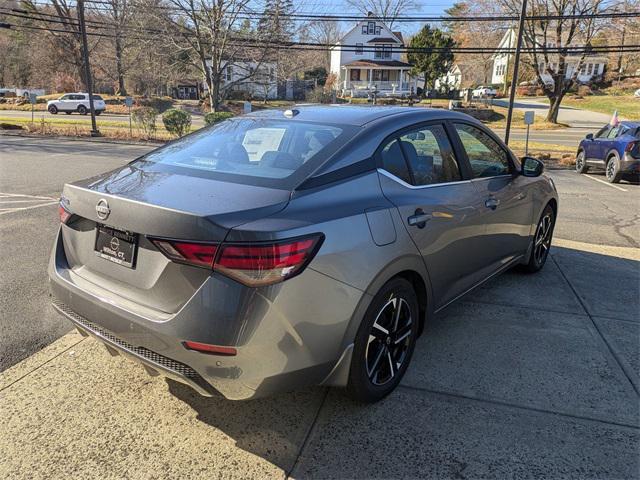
x,y
119,71
554,109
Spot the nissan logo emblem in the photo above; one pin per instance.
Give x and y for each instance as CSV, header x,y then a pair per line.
x,y
102,209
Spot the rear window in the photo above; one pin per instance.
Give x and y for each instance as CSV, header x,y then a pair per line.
x,y
250,148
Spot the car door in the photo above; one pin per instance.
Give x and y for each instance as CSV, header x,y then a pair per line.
x,y
507,202
64,103
438,205
594,149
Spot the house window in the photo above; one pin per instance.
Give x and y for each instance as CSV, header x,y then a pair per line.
x,y
596,69
589,69
380,75
359,49
354,74
229,73
272,74
378,30
582,69
382,51
364,29
371,28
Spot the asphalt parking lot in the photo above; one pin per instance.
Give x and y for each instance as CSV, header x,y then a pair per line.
x,y
529,376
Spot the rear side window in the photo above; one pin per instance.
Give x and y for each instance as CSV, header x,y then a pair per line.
x,y
486,157
421,157
430,156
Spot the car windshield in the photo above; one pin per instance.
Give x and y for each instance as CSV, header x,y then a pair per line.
x,y
97,97
254,148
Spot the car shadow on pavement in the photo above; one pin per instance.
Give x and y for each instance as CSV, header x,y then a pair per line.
x,y
273,428
528,370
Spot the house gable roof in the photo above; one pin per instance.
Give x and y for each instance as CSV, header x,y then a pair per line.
x,y
397,36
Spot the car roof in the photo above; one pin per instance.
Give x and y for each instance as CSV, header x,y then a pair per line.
x,y
357,115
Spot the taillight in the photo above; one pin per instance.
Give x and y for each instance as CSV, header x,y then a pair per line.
x,y
199,254
63,213
630,146
253,264
264,264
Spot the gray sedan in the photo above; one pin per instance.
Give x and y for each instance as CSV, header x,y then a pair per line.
x,y
306,247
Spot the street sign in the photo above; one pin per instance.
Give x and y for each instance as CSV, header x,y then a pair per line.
x,y
528,117
33,98
128,101
247,107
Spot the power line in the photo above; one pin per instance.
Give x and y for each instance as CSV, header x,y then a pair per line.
x,y
308,46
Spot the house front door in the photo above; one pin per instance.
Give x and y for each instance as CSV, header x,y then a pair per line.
x,y
354,76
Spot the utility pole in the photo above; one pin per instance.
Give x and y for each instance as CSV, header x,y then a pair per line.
x,y
516,65
87,68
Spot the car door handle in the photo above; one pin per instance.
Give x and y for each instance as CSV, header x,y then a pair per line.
x,y
492,203
419,219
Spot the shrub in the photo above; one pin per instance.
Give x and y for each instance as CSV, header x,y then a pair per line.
x,y
584,90
215,117
145,119
177,122
161,104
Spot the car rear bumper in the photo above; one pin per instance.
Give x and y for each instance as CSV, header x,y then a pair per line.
x,y
629,164
287,336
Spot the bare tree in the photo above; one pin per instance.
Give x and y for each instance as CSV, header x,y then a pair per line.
x,y
326,33
65,33
389,9
550,42
212,35
117,13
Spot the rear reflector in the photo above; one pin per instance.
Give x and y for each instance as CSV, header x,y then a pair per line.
x,y
212,349
253,264
264,264
63,213
200,254
630,146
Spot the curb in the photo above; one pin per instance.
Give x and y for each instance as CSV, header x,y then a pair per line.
x,y
82,139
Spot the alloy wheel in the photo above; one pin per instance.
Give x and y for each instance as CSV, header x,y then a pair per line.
x,y
543,239
611,169
580,162
389,341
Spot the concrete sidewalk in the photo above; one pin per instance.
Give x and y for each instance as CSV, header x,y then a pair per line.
x,y
530,376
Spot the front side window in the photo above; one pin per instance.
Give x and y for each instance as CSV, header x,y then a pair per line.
x,y
486,156
430,156
613,133
603,132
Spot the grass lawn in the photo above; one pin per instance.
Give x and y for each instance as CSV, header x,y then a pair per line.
x,y
627,106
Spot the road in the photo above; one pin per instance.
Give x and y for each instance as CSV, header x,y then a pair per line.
x,y
529,376
574,117
568,137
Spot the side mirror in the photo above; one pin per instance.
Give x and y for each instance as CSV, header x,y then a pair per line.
x,y
532,167
589,136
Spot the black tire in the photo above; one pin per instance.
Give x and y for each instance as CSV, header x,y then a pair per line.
x,y
383,336
581,162
82,110
541,242
53,110
612,170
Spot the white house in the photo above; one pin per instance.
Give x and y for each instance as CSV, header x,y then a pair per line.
x,y
367,59
259,79
460,76
592,67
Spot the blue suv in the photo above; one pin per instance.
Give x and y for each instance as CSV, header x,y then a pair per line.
x,y
616,149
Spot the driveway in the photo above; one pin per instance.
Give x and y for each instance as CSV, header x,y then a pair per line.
x,y
574,117
529,376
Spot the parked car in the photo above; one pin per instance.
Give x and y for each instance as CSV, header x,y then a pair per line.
x,y
283,249
484,92
76,102
615,149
